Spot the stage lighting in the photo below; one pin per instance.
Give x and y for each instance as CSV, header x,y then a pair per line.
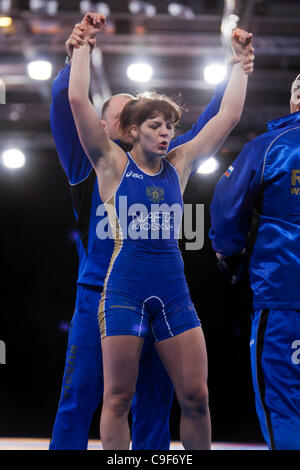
x,y
36,5
208,166
214,73
44,6
5,21
39,70
5,6
150,10
137,7
51,7
13,158
103,8
85,6
140,72
178,9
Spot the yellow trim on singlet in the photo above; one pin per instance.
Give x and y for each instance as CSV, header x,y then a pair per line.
x,y
110,206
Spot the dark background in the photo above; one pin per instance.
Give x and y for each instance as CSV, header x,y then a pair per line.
x,y
38,254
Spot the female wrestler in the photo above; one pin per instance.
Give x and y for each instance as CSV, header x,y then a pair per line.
x,y
145,286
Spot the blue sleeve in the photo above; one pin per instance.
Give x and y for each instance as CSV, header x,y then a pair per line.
x,y
236,195
210,111
71,154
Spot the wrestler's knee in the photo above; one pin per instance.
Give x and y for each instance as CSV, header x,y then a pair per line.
x,y
194,398
118,401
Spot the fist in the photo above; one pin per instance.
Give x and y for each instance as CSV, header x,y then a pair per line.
x,y
93,23
241,42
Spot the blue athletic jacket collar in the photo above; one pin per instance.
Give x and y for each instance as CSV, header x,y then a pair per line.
x,y
284,121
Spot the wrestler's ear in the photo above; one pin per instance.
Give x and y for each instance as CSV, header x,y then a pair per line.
x,y
133,131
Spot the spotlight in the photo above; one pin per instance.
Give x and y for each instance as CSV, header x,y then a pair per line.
x,y
51,7
140,72
13,158
5,21
85,6
214,73
39,70
175,9
208,166
44,6
5,6
137,7
103,8
150,10
178,9
36,5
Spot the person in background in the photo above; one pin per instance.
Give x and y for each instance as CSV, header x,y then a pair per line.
x,y
255,215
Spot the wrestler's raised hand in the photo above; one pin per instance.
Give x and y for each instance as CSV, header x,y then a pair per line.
x,y
242,46
76,39
93,23
241,42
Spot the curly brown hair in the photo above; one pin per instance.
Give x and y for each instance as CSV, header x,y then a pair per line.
x,y
148,105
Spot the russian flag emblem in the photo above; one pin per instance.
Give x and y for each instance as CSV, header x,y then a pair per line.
x,y
229,171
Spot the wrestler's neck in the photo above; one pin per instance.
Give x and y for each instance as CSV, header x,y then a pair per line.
x,y
147,161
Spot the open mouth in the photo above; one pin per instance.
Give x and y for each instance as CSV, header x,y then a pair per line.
x,y
163,144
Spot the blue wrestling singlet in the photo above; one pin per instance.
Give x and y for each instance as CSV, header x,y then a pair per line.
x,y
145,289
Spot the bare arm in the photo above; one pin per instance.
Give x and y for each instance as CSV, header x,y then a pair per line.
x,y
89,127
209,140
97,145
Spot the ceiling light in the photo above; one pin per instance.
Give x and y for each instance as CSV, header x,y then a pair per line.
x,y
13,158
85,6
36,5
44,6
214,73
5,6
51,7
39,70
137,7
5,21
150,10
140,72
103,8
178,9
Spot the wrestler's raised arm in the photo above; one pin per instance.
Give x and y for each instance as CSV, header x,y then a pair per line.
x,y
209,140
107,158
69,149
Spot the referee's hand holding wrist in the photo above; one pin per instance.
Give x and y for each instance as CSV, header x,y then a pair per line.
x,y
77,39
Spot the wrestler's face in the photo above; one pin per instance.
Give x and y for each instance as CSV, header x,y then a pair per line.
x,y
154,135
112,118
295,96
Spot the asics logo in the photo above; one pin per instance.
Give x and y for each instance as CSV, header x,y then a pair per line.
x,y
134,175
